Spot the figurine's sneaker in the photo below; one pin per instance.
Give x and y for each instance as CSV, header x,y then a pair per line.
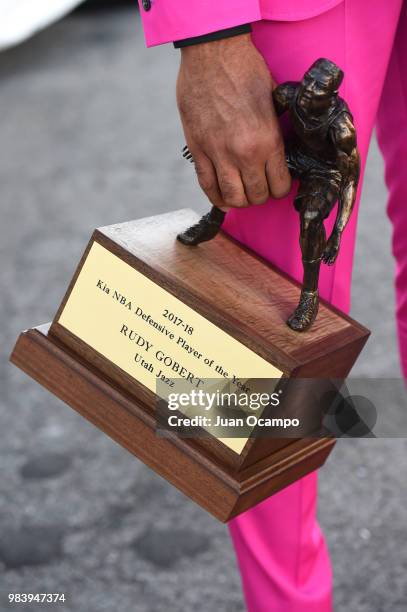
x,y
206,229
306,311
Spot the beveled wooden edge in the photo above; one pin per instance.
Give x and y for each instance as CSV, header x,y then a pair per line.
x,y
221,493
283,476
345,357
73,281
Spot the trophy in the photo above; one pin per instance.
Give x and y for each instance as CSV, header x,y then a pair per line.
x,y
144,312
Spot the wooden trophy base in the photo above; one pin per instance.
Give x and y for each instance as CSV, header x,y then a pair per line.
x,y
235,304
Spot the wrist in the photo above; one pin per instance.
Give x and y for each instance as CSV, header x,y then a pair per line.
x,y
238,30
216,48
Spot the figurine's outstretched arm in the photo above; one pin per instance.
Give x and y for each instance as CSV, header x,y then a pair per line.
x,y
348,161
344,136
347,196
283,95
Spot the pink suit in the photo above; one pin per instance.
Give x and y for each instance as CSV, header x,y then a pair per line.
x,y
281,552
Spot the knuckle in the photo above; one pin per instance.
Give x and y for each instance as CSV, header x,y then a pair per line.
x,y
247,149
241,203
278,193
233,198
262,199
280,182
228,187
248,153
258,193
205,180
235,201
276,144
258,184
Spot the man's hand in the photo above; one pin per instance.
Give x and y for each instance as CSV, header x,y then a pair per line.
x,y
224,95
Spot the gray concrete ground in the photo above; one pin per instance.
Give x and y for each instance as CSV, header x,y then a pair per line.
x,y
90,136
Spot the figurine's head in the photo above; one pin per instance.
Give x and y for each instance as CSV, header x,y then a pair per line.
x,y
319,87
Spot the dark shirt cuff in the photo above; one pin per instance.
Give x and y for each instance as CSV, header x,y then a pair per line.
x,y
245,28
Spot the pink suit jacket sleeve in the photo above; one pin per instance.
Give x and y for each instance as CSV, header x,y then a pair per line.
x,y
169,20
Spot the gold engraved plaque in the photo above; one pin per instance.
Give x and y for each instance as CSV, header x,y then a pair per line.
x,y
149,333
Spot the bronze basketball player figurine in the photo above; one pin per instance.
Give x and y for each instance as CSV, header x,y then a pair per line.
x,y
322,155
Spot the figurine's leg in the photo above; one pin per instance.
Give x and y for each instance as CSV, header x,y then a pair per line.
x,y
312,242
206,228
314,202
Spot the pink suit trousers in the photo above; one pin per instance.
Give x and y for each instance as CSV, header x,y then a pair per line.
x,y
281,551
282,554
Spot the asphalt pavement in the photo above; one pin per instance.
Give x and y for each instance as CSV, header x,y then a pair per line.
x,y
89,137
